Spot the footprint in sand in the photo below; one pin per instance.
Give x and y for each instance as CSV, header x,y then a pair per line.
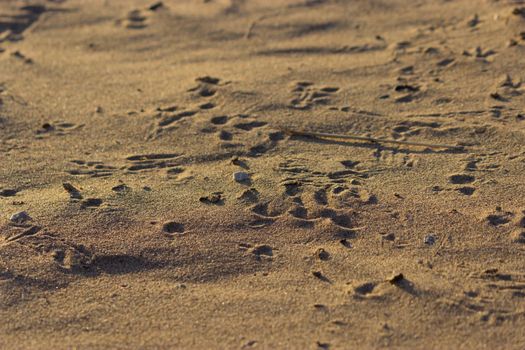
x,y
8,192
306,95
505,90
262,251
500,217
242,127
170,162
13,26
219,120
249,196
206,86
91,168
248,126
518,234
139,19
463,179
303,205
173,228
57,128
407,91
166,119
225,135
91,203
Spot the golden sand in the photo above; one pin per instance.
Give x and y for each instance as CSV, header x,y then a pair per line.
x,y
160,201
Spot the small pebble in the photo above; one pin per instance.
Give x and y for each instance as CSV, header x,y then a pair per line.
x,y
214,198
429,239
319,275
346,243
395,279
20,217
74,193
389,237
241,176
121,188
322,254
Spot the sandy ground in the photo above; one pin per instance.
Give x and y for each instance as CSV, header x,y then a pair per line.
x,y
122,124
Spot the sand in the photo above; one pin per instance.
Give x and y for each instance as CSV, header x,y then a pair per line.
x,y
123,124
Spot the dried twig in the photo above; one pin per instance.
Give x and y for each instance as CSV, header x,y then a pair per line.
x,y
369,139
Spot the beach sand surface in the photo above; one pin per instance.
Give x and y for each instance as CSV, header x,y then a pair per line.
x,y
168,204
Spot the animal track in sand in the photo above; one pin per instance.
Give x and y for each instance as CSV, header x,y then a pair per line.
x,y
407,91
225,127
13,26
461,179
141,18
323,200
481,163
395,159
155,161
271,209
408,128
207,105
249,196
326,194
500,217
57,128
22,57
91,168
65,255
479,53
248,126
262,250
225,135
505,90
91,203
220,120
215,198
466,190
135,19
173,228
306,95
297,171
8,192
496,281
206,86
349,164
122,188
364,289
241,127
134,165
166,119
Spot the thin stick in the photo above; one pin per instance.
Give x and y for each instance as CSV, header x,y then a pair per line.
x,y
369,139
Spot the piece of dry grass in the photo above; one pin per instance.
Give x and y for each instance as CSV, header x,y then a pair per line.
x,y
369,139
